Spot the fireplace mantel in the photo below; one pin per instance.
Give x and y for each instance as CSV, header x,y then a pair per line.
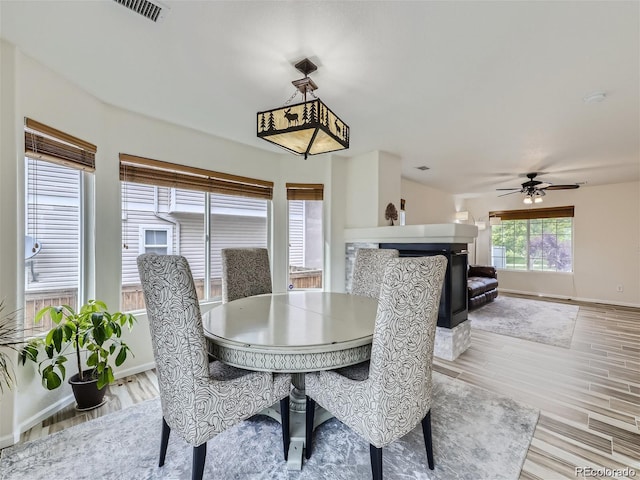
x,y
431,233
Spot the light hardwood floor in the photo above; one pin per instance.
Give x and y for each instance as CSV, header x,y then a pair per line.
x,y
588,395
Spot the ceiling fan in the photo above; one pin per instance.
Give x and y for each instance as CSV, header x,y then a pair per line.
x,y
534,190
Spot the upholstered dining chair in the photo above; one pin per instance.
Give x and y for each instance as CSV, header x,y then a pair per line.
x,y
245,272
389,399
199,399
368,269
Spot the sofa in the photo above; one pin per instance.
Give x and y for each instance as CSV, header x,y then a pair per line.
x,y
482,285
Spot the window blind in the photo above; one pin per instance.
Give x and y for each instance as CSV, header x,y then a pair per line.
x,y
305,191
534,213
46,143
164,174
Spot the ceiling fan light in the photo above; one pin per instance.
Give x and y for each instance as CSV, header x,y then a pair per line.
x,y
537,199
527,200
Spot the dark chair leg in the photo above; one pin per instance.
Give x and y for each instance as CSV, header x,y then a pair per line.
x,y
284,417
311,411
426,431
376,462
199,455
164,441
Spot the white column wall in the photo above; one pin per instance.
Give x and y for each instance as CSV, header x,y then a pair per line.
x,y
361,197
389,186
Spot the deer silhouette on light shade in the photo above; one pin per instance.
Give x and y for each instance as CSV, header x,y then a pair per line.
x,y
291,117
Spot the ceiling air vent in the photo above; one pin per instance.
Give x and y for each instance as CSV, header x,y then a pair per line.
x,y
423,168
152,10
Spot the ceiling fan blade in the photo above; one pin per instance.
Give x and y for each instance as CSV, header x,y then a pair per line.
x,y
562,187
510,193
508,189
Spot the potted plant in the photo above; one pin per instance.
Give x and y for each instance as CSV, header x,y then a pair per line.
x,y
92,329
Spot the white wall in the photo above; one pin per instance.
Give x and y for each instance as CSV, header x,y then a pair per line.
x,y
361,201
389,186
425,205
30,89
606,244
9,215
336,204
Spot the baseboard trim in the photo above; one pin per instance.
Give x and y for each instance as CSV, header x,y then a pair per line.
x,y
565,297
7,441
45,413
42,415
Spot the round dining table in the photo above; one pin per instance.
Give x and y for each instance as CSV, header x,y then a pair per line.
x,y
295,332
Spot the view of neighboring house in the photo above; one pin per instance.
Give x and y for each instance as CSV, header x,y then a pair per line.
x,y
158,220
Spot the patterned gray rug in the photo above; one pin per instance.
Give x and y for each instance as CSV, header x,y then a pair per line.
x,y
476,435
536,320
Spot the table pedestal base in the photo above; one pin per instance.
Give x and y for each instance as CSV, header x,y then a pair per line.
x,y
297,420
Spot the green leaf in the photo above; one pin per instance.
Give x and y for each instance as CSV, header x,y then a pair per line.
x,y
122,356
57,338
96,319
69,330
108,330
101,305
99,335
92,361
49,338
50,379
105,377
29,352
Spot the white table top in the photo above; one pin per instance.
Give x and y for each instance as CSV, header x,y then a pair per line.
x,y
307,322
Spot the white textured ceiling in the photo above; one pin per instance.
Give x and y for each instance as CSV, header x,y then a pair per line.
x,y
480,92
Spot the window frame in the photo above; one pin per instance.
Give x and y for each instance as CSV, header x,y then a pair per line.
x,y
43,143
143,229
157,173
529,215
305,192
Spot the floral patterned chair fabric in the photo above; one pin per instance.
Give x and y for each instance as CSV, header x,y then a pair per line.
x,y
389,400
245,272
199,399
368,269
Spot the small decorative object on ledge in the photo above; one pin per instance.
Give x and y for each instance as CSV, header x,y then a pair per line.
x,y
403,218
391,213
306,128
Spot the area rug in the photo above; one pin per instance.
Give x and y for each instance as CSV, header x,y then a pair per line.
x,y
476,435
536,320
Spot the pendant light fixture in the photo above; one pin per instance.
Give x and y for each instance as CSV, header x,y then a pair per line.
x,y
306,128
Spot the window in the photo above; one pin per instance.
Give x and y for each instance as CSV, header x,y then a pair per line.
x,y
235,222
156,240
306,252
174,209
535,240
57,167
